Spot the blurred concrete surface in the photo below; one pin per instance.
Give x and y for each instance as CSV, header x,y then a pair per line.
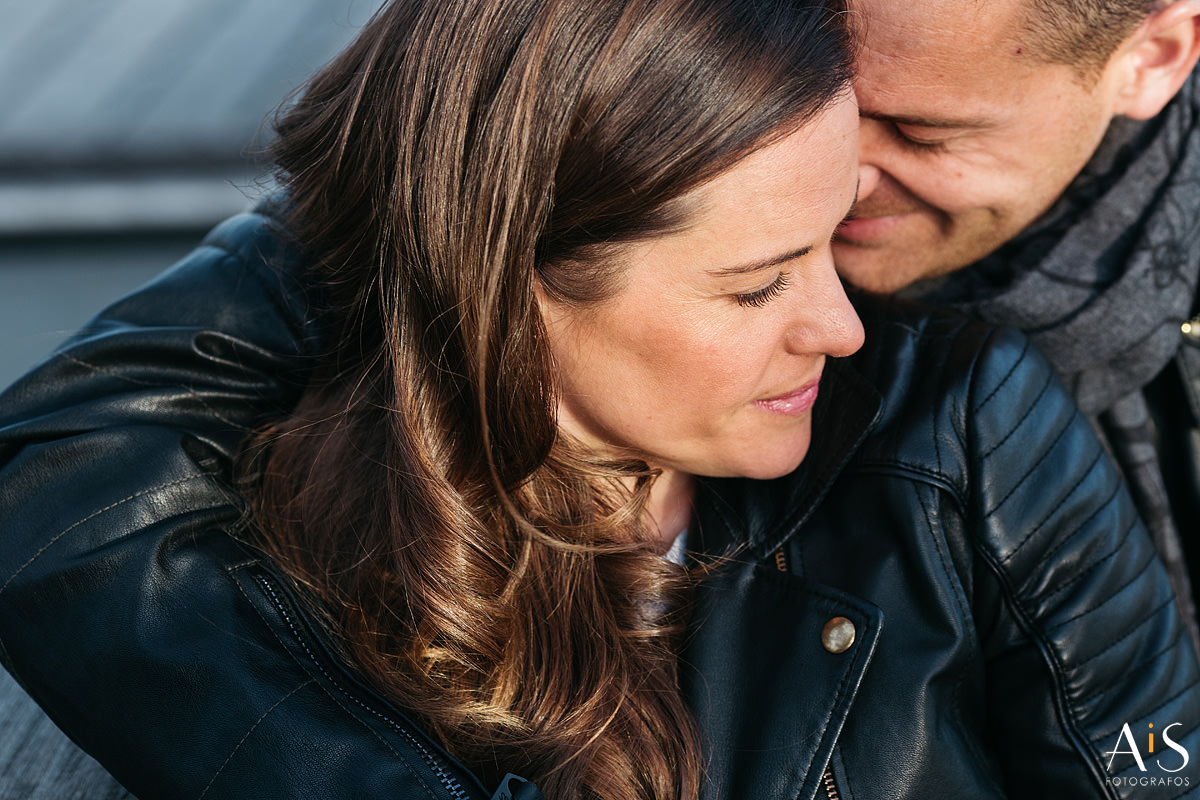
x,y
31,749
127,129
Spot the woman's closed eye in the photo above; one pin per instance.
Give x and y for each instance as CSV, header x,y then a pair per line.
x,y
760,297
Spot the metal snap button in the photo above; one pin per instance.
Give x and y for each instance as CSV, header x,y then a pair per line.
x,y
838,635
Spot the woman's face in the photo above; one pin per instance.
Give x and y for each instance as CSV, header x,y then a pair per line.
x,y
707,359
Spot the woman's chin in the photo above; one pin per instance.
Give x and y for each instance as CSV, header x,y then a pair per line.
x,y
768,463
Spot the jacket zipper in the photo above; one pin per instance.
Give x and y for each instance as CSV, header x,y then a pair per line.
x,y
827,780
431,759
830,787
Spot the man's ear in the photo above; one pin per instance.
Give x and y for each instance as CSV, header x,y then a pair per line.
x,y
1156,59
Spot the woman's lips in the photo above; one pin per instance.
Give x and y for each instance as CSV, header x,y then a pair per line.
x,y
792,404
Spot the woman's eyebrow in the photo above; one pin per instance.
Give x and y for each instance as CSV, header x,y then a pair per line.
x,y
765,263
774,261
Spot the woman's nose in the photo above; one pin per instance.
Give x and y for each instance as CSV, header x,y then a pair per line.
x,y
844,333
831,326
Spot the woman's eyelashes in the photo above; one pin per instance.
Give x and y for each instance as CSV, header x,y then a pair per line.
x,y
759,298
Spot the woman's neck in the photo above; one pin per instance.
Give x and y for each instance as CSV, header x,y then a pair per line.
x,y
670,505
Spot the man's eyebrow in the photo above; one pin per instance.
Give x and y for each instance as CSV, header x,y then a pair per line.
x,y
755,266
917,121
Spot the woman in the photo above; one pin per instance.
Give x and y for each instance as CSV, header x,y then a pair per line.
x,y
576,306
548,244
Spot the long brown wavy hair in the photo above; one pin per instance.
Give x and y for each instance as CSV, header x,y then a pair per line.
x,y
474,565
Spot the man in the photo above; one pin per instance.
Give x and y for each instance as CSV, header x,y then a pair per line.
x,y
1037,163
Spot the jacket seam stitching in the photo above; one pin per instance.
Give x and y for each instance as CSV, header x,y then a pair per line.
x,y
1061,501
1189,688
342,691
1004,380
1112,596
279,639
1056,669
1052,556
1171,644
249,733
51,542
1046,383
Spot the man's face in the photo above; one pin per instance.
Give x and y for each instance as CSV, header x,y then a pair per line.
x,y
965,137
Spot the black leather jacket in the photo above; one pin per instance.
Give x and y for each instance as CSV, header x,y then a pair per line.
x,y
954,514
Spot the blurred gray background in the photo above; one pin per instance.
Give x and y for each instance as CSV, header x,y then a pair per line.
x,y
127,129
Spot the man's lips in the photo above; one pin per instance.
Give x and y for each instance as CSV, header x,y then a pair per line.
x,y
863,229
793,403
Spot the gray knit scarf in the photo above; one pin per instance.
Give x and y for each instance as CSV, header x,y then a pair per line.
x,y
1101,283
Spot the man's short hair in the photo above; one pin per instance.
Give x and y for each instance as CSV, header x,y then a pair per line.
x,y
1083,33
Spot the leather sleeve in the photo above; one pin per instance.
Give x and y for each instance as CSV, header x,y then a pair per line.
x,y
124,598
1086,612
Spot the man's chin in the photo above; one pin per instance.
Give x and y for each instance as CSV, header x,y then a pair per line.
x,y
877,269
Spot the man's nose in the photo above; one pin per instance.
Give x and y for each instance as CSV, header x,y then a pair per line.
x,y
869,173
868,179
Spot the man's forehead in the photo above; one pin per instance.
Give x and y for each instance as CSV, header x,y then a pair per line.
x,y
939,64
948,30
962,14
